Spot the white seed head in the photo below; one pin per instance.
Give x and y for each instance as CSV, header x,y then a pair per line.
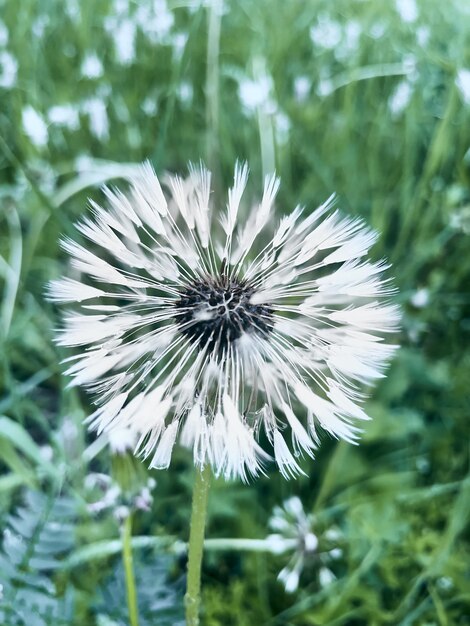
x,y
223,330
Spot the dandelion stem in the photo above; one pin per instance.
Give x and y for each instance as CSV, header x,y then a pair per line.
x,y
196,544
129,571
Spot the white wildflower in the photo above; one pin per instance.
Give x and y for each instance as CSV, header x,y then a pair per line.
x,y
39,25
72,9
294,532
407,10
95,108
155,20
325,577
178,42
463,84
302,87
256,94
150,105
3,34
423,34
91,66
8,69
185,92
34,126
326,33
214,329
420,298
65,115
124,41
400,98
378,30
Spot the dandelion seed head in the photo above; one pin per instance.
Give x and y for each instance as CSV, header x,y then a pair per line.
x,y
222,329
217,312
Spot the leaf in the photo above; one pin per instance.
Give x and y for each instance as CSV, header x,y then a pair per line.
x,y
14,433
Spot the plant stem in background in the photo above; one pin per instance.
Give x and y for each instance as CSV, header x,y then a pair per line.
x,y
212,89
129,571
196,544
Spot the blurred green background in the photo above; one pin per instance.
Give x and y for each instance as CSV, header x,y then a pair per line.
x,y
370,99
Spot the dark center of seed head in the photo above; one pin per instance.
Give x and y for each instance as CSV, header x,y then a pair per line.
x,y
216,312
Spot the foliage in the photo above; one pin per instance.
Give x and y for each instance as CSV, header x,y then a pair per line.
x,y
368,99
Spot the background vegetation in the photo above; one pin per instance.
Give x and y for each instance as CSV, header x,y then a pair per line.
x,y
368,99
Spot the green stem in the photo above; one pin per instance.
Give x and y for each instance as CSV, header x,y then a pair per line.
x,y
196,544
129,571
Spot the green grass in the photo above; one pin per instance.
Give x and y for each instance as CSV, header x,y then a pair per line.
x,y
401,498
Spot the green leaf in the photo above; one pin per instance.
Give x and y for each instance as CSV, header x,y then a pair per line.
x,y
15,434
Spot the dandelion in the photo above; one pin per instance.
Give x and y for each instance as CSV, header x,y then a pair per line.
x,y
238,337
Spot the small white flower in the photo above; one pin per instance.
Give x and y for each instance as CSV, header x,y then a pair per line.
x,y
302,87
400,98
124,41
178,42
325,87
3,34
294,532
155,20
420,298
377,30
150,105
39,25
407,10
8,69
256,94
212,328
463,84
326,577
65,115
423,34
185,92
35,127
91,66
95,108
326,33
